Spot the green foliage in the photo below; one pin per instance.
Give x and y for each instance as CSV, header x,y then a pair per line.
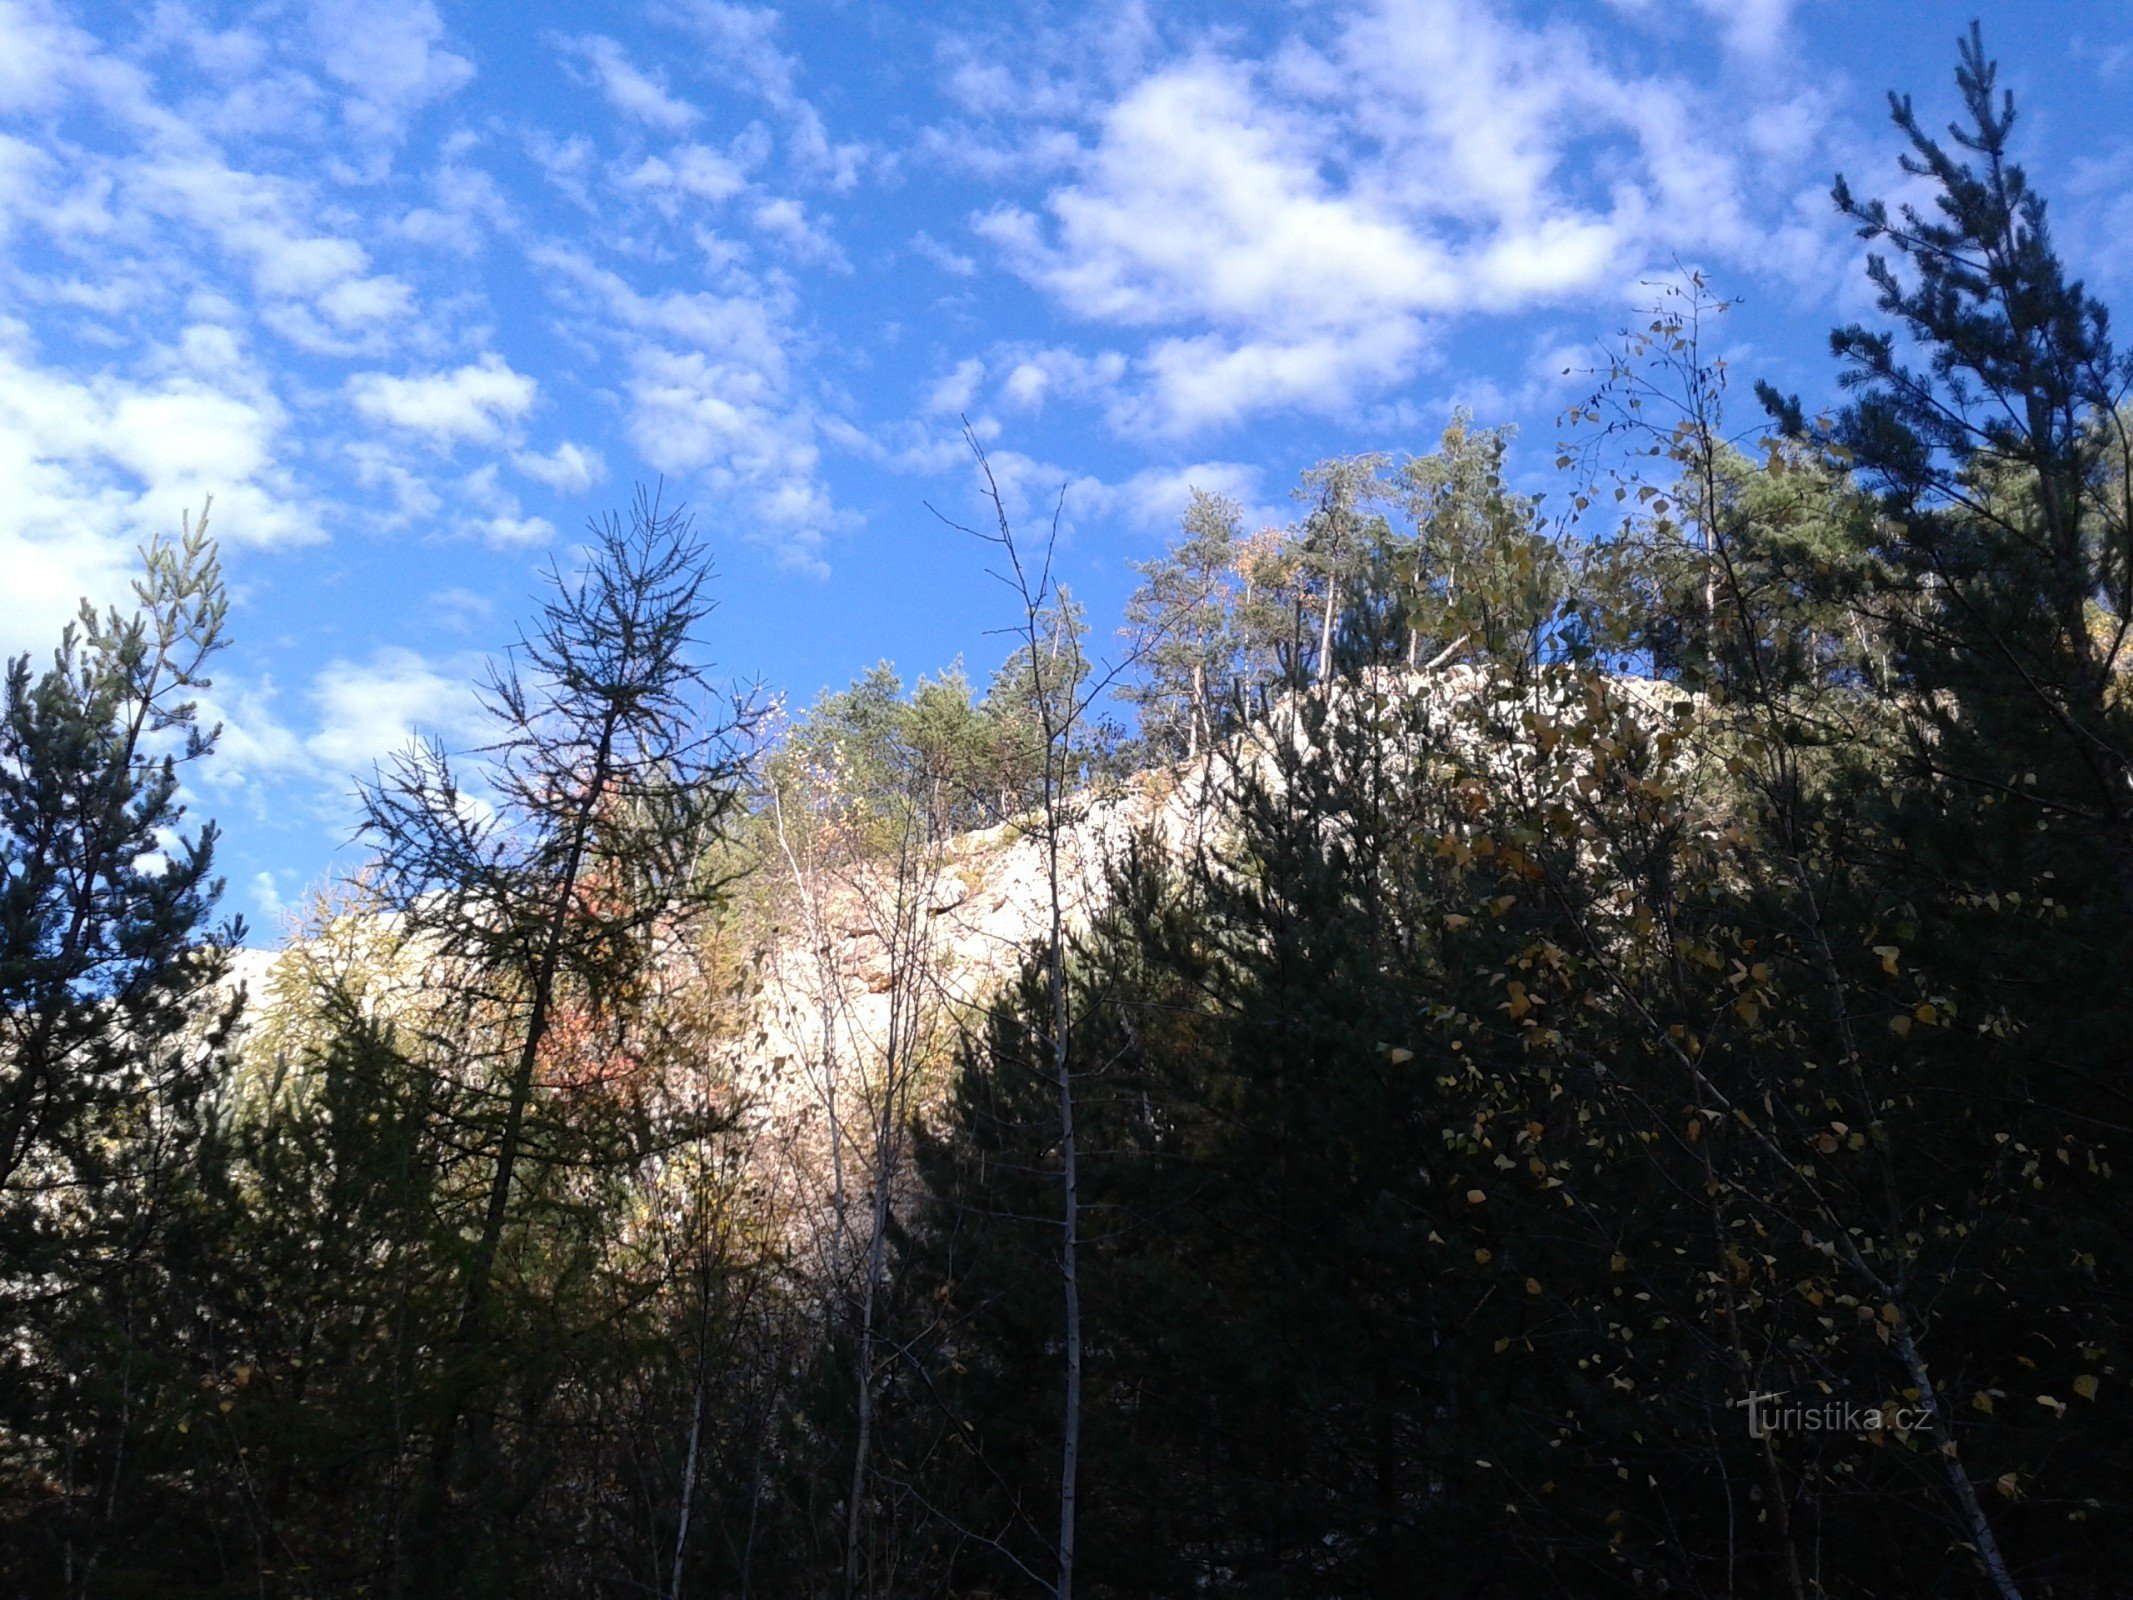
x,y
1183,616
1434,552
103,899
862,752
111,1029
549,911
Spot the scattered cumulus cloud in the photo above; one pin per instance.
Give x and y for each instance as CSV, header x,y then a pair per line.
x,y
267,900
98,464
928,248
567,469
478,403
367,710
1154,500
711,398
954,394
1290,231
692,170
389,56
630,90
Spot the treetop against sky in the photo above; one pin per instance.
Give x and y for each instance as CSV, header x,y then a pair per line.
x,y
413,289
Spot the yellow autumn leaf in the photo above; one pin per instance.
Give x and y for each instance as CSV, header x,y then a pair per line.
x,y
2085,1386
1981,1401
1399,1056
1483,1257
1888,954
1474,1197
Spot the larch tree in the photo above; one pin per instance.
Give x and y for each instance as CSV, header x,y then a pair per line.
x,y
554,885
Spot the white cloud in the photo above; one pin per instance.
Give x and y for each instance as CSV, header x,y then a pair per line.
x,y
1038,375
96,465
1155,499
787,221
924,245
256,746
954,393
630,90
479,403
1213,379
567,469
315,288
710,396
462,608
740,47
1202,204
267,900
500,520
368,710
718,420
1751,28
356,715
1201,200
387,53
42,55
691,169
505,532
1292,227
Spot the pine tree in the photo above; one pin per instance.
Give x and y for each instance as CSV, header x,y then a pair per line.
x,y
2001,465
111,1032
1189,692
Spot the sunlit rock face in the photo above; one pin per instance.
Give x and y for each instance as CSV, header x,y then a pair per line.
x,y
843,983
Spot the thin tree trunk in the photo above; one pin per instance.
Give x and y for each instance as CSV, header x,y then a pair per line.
x,y
1325,631
1069,1268
481,1271
696,1424
1058,707
854,1512
1982,1538
1069,1161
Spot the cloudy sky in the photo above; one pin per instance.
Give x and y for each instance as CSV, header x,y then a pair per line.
x,y
413,289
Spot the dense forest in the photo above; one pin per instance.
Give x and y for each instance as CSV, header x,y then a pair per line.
x,y
1619,1089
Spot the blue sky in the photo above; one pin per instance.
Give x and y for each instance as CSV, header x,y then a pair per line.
x,y
415,288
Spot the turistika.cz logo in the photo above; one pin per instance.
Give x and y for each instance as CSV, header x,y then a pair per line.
x,y
1766,1416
